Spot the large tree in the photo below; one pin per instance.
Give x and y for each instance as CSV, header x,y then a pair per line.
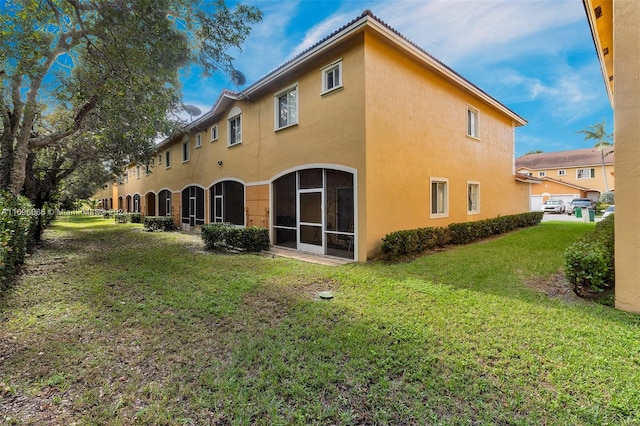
x,y
100,78
602,141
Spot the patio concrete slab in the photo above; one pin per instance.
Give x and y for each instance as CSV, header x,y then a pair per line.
x,y
308,257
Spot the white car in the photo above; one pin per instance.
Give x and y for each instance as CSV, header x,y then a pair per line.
x,y
609,211
553,206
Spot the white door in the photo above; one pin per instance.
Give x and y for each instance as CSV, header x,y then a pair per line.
x,y
310,225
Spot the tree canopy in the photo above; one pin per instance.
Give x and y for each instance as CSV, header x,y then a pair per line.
x,y
598,134
92,83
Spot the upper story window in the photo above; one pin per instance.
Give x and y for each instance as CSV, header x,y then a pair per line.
x,y
585,173
185,151
332,77
286,108
473,122
138,172
198,140
214,132
167,159
159,158
234,132
542,174
439,197
562,172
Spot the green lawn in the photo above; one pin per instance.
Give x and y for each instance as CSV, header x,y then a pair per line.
x,y
114,325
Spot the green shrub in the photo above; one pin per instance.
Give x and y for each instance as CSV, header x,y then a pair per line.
x,y
419,240
159,223
136,217
122,217
227,236
18,222
590,261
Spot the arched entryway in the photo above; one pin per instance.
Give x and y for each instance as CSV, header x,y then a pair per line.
x,y
226,199
193,205
150,199
164,203
314,211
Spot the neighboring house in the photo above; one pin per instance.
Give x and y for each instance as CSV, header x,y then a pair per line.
x,y
567,175
614,26
360,135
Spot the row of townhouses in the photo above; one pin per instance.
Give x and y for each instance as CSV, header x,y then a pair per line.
x,y
360,135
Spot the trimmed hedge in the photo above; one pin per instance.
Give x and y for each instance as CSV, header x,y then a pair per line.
x,y
227,236
422,239
159,223
17,225
590,261
128,217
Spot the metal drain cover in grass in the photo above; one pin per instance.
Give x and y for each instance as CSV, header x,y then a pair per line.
x,y
326,295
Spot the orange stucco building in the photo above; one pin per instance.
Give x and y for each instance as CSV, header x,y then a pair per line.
x,y
614,26
362,134
565,175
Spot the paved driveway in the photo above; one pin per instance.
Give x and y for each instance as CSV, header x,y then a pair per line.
x,y
563,217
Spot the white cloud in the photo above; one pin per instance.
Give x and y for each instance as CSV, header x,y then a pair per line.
x,y
321,30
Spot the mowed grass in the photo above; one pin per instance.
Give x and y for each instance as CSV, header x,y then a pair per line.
x,y
113,325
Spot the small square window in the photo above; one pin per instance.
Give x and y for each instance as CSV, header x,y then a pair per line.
x,y
332,77
542,174
214,132
562,172
472,123
198,140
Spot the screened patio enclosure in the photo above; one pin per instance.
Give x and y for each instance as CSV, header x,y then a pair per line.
x,y
314,211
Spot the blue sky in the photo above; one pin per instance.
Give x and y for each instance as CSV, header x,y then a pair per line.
x,y
534,56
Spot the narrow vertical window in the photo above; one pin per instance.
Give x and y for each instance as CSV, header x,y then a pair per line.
x,y
286,108
473,197
235,130
472,123
167,159
214,132
439,197
185,151
198,140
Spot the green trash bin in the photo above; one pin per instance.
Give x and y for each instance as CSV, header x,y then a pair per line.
x,y
592,215
579,212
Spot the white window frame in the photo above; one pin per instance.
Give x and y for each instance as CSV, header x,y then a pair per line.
x,y
330,70
473,122
159,158
562,172
214,132
542,174
186,151
441,204
236,138
198,140
473,210
591,173
167,158
276,107
138,171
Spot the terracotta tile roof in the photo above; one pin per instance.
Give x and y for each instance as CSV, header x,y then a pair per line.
x,y
565,159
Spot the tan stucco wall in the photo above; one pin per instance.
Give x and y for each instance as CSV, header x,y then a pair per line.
x,y
626,35
356,128
416,130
